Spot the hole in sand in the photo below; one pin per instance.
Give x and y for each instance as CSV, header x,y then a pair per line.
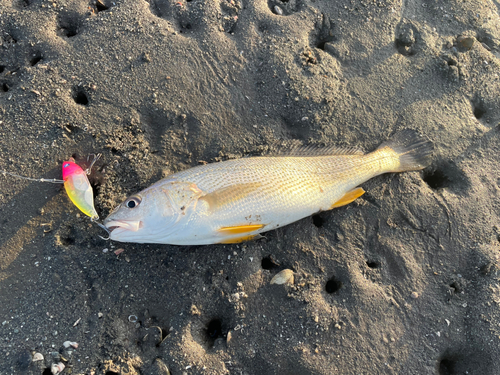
x,y
318,221
5,87
67,240
80,96
455,288
47,371
24,3
70,31
373,264
69,24
447,366
447,175
164,333
406,39
2,68
479,112
268,263
37,57
436,179
321,45
100,6
214,331
333,285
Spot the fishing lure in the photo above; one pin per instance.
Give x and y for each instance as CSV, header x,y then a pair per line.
x,y
77,186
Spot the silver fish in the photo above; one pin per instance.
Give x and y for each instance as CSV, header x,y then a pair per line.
x,y
236,200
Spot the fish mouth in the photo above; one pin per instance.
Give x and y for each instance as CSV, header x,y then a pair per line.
x,y
123,225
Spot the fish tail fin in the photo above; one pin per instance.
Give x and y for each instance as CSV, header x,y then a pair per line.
x,y
406,151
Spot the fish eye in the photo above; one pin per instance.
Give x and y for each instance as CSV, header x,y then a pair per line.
x,y
133,202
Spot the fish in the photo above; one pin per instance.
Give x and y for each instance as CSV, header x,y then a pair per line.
x,y
237,200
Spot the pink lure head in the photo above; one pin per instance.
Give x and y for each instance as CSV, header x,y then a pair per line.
x,y
78,188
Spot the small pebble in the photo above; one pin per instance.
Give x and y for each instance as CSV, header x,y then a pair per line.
x,y
465,42
283,277
414,295
278,10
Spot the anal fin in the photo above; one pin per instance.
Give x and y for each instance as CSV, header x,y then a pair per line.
x,y
348,197
241,230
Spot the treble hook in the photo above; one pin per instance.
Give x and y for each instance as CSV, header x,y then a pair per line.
x,y
93,220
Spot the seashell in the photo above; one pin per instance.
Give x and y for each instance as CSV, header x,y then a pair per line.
x,y
67,344
37,357
283,277
57,368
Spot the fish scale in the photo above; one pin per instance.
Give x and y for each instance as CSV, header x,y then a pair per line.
x,y
236,200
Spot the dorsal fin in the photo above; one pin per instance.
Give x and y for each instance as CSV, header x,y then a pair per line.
x,y
317,150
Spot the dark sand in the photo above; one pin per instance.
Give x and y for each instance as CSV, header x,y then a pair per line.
x,y
403,281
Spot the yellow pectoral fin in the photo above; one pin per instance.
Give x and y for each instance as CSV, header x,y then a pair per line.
x,y
229,194
348,197
240,229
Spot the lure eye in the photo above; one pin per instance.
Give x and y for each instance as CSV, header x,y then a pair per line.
x,y
133,202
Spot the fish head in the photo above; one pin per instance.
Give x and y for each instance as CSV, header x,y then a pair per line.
x,y
145,217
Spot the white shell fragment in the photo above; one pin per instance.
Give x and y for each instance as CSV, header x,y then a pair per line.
x,y
67,344
37,357
57,368
283,277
